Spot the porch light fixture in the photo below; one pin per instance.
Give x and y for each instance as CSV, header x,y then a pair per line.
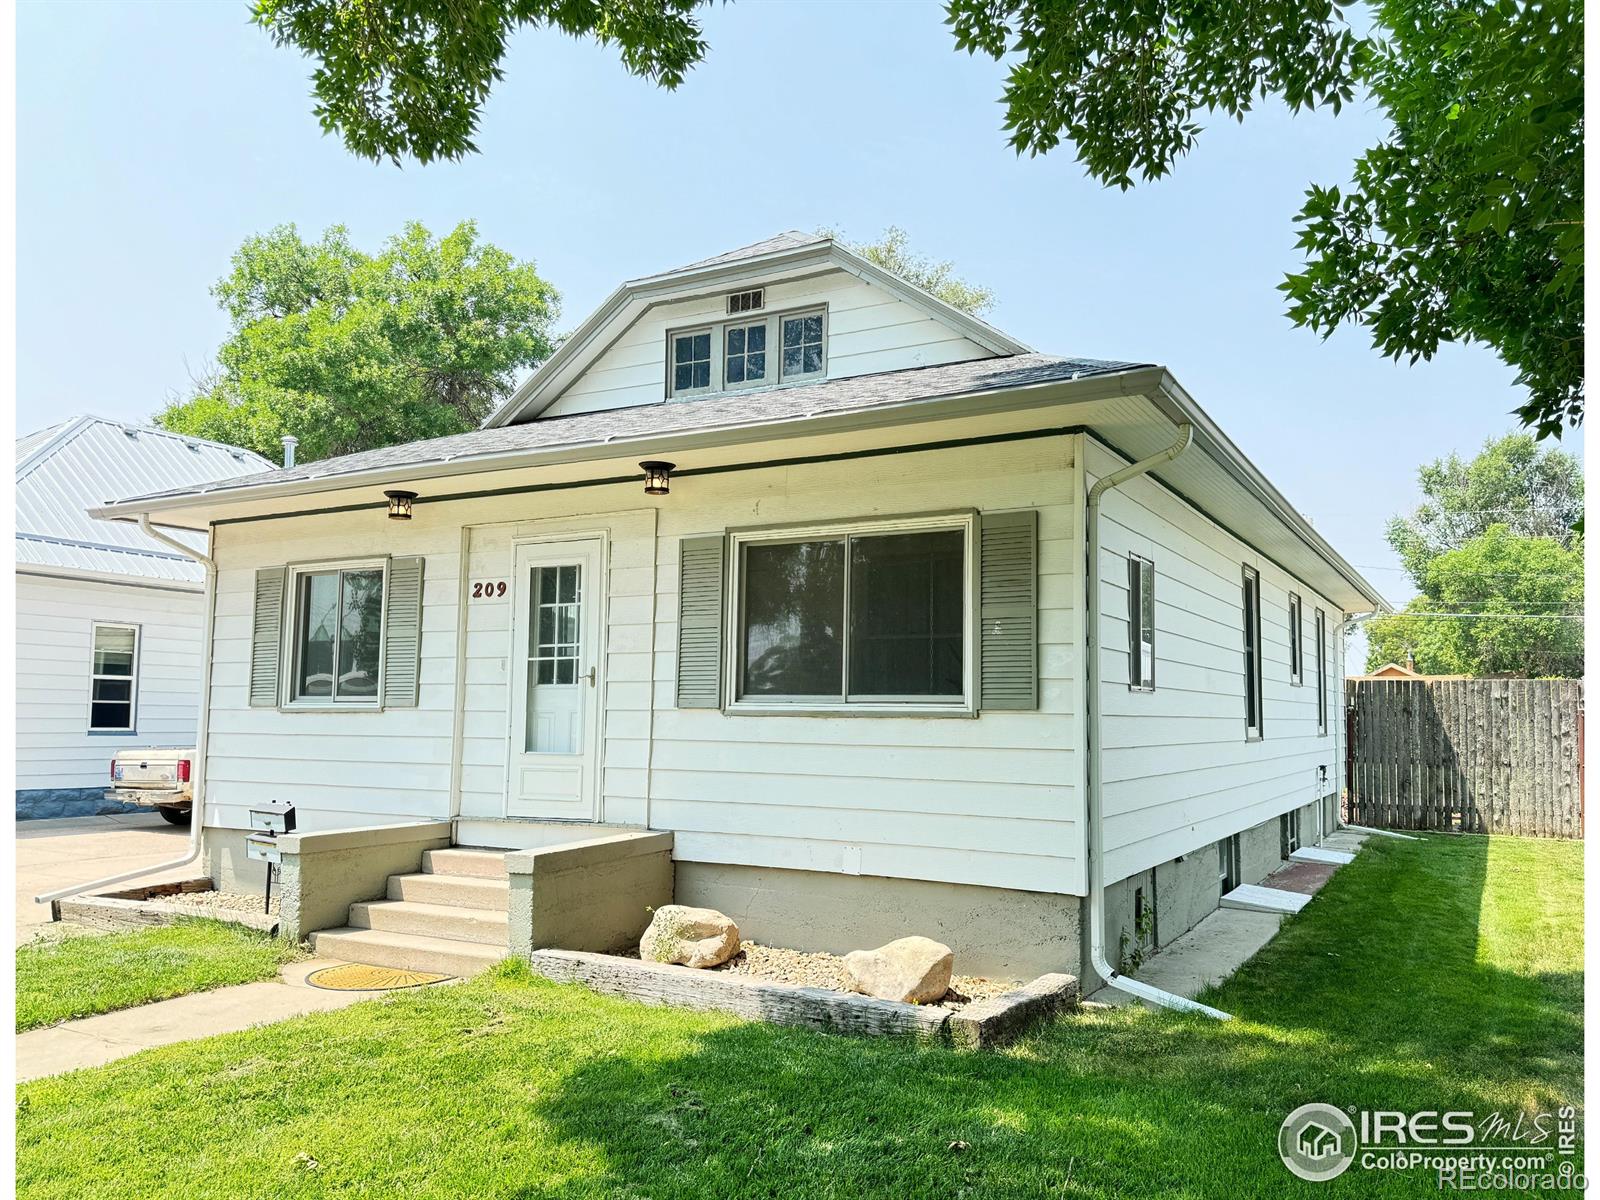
x,y
400,505
656,477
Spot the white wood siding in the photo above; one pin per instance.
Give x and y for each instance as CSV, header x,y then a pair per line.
x,y
869,330
990,801
1177,770
55,619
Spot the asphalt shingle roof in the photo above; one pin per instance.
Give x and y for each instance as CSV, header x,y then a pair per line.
x,y
792,239
671,417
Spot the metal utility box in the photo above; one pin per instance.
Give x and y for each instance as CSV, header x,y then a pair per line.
x,y
272,816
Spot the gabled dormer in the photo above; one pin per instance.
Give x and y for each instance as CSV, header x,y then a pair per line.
x,y
793,310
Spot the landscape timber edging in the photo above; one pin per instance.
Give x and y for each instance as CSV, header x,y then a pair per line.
x,y
817,1008
142,907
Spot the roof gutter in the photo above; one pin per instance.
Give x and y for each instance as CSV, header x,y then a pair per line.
x,y
1094,809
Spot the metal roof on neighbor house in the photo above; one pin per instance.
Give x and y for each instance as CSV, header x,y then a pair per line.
x,y
67,469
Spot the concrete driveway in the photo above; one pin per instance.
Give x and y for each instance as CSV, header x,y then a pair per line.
x,y
52,854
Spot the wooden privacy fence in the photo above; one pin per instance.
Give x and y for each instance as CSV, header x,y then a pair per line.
x,y
1476,755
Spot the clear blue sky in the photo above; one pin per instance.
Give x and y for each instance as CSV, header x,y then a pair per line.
x,y
153,137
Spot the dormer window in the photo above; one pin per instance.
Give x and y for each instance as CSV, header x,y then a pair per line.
x,y
691,361
802,345
748,351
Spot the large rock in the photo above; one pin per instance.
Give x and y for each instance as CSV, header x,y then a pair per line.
x,y
695,937
911,969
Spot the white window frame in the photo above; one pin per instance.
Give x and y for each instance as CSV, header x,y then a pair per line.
x,y
715,333
133,679
1321,624
1137,682
292,649
1297,649
718,330
1255,723
965,705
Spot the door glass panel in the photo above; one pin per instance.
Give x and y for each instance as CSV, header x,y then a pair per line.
x,y
555,648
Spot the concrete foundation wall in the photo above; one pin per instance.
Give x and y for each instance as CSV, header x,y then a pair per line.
x,y
593,895
35,804
1260,851
222,853
993,931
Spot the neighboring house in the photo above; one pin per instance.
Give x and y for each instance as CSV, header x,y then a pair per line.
x,y
108,618
839,650
1394,671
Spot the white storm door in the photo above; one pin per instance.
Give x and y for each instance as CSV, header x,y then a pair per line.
x,y
555,688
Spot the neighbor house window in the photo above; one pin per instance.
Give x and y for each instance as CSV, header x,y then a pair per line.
x,y
1252,653
1296,654
862,616
754,349
1322,671
113,678
802,345
691,361
1141,624
338,634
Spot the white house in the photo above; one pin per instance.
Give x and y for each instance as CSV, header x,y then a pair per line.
x,y
838,649
108,618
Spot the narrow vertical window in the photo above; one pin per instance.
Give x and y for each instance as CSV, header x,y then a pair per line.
x,y
113,677
1322,672
1296,652
1252,654
1141,624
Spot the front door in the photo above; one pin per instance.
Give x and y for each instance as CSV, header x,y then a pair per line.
x,y
555,688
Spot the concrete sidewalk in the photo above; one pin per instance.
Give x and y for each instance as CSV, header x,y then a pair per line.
x,y
55,853
93,1041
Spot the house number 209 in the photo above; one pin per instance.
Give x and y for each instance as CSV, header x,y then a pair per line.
x,y
489,589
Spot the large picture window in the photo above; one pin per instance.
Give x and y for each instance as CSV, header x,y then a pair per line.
x,y
338,634
113,678
862,616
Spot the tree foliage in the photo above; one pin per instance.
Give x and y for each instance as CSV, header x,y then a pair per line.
x,y
1493,544
409,77
1536,583
1464,224
349,351
1534,493
893,253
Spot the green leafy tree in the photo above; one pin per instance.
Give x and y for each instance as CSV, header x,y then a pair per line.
x,y
1464,224
1512,482
893,253
349,351
1518,599
1493,535
409,77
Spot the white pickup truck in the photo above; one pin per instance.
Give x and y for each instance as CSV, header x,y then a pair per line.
x,y
156,777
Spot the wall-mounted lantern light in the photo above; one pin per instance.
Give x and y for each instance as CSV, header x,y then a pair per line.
x,y
400,505
656,477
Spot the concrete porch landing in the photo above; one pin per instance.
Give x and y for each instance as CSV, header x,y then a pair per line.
x,y
1228,938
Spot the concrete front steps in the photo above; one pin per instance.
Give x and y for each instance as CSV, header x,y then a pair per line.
x,y
450,917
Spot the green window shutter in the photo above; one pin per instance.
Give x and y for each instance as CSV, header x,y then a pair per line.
x,y
402,633
1008,610
700,574
266,637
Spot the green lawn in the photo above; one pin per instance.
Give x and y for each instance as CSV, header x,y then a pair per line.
x,y
1443,974
81,976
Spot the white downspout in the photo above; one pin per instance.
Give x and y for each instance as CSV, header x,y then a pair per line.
x,y
198,776
1091,675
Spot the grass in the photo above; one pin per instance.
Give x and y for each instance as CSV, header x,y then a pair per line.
x,y
81,976
1439,974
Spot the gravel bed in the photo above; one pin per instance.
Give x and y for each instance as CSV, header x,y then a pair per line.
x,y
205,903
827,971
